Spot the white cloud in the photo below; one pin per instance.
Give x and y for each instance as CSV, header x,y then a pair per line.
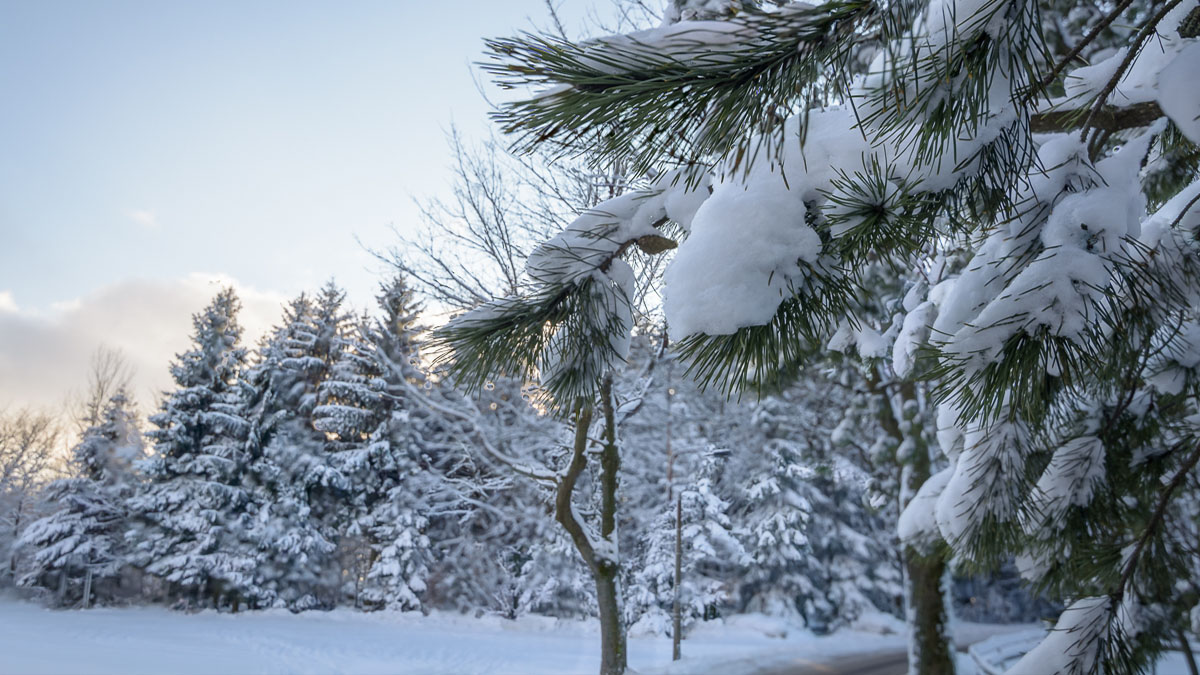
x,y
43,357
144,218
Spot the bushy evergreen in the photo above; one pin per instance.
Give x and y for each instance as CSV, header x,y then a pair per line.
x,y
86,532
191,513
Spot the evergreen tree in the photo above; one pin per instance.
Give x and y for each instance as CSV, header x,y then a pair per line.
x,y
822,552
352,407
86,532
191,514
390,442
848,132
299,490
710,555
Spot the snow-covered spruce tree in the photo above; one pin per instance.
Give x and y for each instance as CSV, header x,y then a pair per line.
x,y
1063,346
191,512
695,518
298,490
351,408
391,445
87,531
821,551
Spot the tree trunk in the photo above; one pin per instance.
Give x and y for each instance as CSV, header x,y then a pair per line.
x,y
929,651
603,565
929,648
676,606
676,609
607,570
16,533
612,633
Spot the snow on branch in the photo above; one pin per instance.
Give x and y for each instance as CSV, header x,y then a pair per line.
x,y
677,92
574,322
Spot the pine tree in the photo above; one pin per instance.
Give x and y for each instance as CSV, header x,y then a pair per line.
x,y
86,532
849,132
191,514
392,438
298,490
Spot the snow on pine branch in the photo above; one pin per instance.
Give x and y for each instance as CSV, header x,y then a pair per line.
x,y
674,94
1077,643
574,322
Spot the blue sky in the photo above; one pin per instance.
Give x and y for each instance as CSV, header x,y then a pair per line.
x,y
158,137
161,142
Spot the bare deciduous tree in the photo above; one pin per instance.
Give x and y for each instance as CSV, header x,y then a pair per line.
x,y
473,246
109,371
29,450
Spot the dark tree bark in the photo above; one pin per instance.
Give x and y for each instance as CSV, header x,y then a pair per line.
x,y
929,648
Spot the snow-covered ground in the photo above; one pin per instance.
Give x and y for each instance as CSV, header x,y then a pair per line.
x,y
34,640
155,640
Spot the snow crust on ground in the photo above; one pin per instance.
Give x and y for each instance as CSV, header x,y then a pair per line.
x,y
34,640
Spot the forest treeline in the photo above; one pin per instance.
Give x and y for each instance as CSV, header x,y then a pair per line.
x,y
335,465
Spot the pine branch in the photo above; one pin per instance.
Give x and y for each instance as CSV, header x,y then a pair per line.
x,y
1156,519
1188,207
1144,34
676,94
765,358
1087,40
1107,118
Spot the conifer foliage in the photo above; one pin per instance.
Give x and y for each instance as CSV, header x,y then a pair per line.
x,y
838,134
192,511
86,534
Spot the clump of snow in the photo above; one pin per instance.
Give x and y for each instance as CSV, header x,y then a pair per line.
x,y
1178,93
914,331
741,260
593,238
750,245
918,526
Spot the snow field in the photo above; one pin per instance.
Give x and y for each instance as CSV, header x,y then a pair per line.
x,y
37,641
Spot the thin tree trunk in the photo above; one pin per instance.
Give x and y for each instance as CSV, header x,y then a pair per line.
x,y
87,588
677,609
609,567
603,566
16,532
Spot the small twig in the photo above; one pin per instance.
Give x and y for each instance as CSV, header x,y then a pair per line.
x,y
1160,511
1088,39
1134,49
1190,204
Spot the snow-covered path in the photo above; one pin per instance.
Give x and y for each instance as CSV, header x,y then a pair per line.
x,y
154,640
